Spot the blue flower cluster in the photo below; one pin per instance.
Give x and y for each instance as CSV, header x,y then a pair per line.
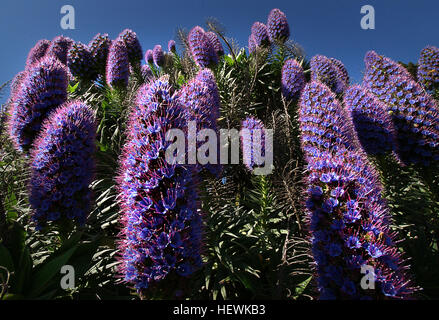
x,y
324,123
132,43
43,89
324,70
251,44
293,79
348,220
379,70
149,56
81,63
59,47
118,65
171,46
202,49
251,130
260,34
216,43
428,67
16,85
158,56
343,75
201,101
162,227
99,47
372,122
277,26
37,52
415,114
146,72
62,166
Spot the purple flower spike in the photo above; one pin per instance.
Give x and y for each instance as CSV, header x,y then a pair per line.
x,y
81,63
324,122
251,130
62,166
415,113
216,43
293,79
16,84
149,56
99,47
8,107
201,48
350,230
161,237
379,68
428,70
171,46
324,70
135,52
201,101
146,72
158,56
60,47
348,220
260,34
37,52
372,122
118,65
343,74
277,26
42,90
251,44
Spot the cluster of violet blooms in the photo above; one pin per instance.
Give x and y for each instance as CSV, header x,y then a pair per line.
x,y
276,30
57,136
331,72
414,113
348,220
428,68
161,220
162,234
202,106
205,47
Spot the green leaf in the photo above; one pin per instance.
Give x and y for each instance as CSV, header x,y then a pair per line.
x,y
11,202
223,292
16,243
6,259
9,296
246,281
43,276
23,273
71,241
180,81
229,60
301,287
72,89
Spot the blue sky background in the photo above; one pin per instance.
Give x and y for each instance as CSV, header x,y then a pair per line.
x,y
329,27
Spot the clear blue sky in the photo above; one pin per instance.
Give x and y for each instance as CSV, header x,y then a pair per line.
x,y
329,27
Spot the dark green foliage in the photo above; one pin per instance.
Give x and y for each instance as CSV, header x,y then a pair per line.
x,y
415,210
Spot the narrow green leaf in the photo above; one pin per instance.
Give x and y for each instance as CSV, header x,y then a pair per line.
x,y
48,271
